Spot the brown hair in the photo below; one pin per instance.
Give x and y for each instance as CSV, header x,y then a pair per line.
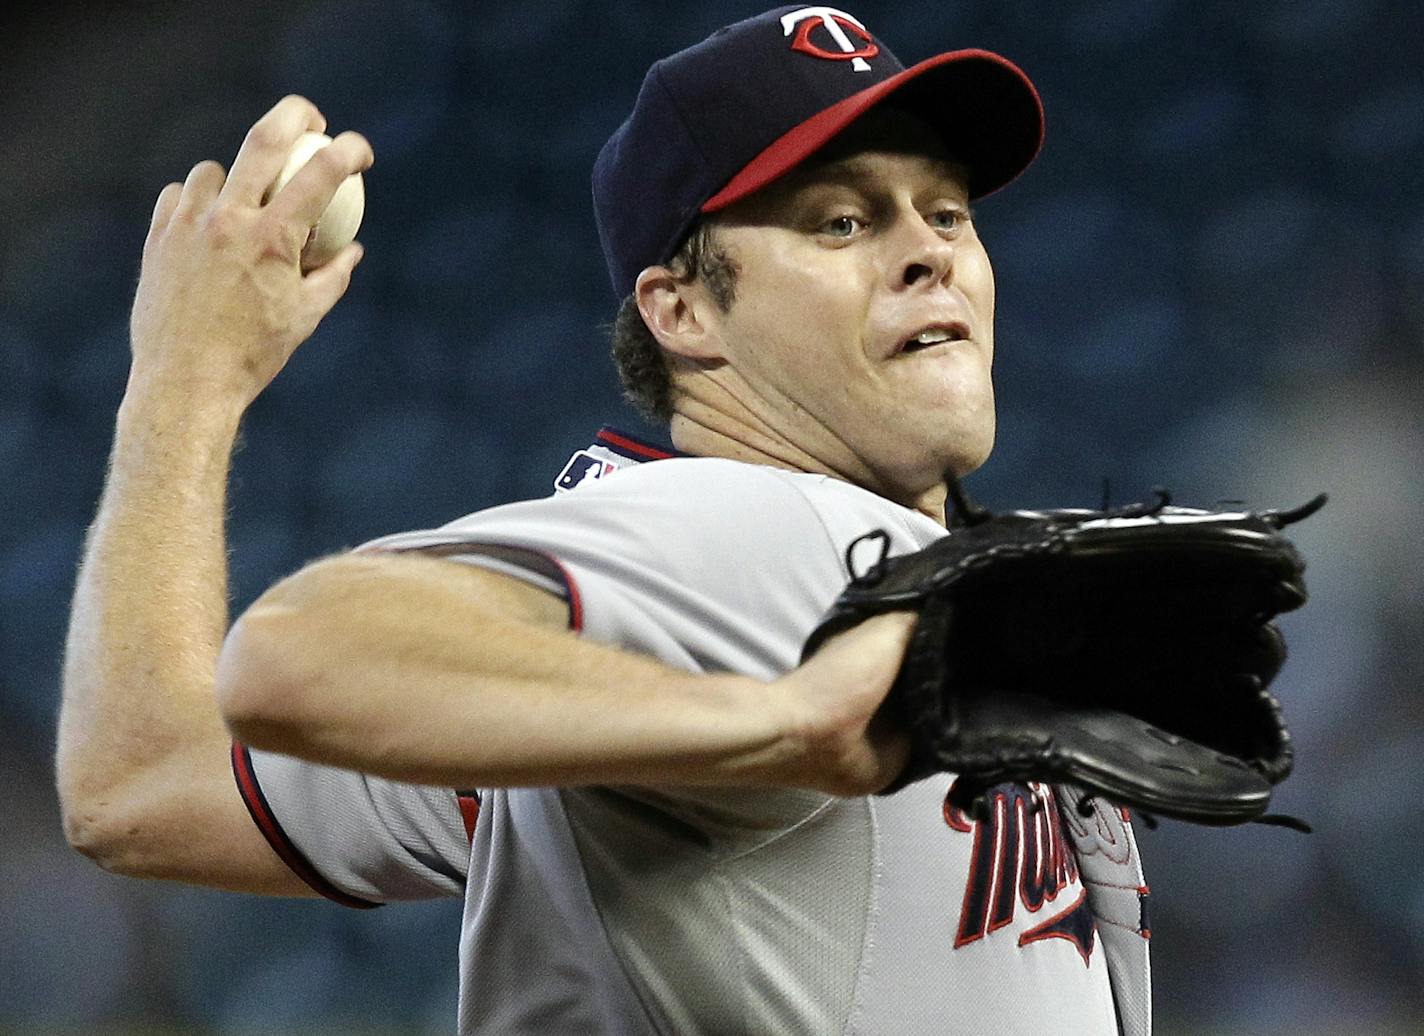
x,y
642,364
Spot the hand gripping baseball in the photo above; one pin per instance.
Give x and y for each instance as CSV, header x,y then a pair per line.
x,y
222,301
1126,651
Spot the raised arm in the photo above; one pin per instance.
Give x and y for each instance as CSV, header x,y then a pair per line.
x,y
430,670
142,759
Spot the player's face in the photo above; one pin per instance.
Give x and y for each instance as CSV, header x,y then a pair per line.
x,y
863,325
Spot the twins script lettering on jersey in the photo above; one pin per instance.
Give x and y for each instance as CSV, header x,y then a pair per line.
x,y
1021,858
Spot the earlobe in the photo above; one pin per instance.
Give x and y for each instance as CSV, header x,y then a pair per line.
x,y
675,311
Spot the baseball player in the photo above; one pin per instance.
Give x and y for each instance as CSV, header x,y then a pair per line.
x,y
585,714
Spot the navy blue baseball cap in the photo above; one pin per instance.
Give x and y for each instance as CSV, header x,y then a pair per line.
x,y
719,120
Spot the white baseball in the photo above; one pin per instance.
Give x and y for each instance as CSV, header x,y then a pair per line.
x,y
338,224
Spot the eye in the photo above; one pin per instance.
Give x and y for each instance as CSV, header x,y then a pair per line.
x,y
841,226
949,218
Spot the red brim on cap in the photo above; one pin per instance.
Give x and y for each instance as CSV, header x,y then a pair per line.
x,y
985,107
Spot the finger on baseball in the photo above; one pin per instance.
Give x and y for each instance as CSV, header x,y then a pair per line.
x,y
325,285
310,190
265,148
163,210
201,187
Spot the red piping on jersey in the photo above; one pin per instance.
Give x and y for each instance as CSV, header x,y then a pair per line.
x,y
508,553
627,443
283,846
575,598
469,803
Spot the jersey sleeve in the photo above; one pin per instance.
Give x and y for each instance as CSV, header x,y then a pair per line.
x,y
708,565
358,840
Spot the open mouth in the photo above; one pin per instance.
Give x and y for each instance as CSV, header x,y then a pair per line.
x,y
936,335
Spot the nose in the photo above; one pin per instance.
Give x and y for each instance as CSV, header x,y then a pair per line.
x,y
925,255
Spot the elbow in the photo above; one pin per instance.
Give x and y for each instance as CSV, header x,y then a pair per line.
x,y
87,813
101,834
86,831
260,688
110,827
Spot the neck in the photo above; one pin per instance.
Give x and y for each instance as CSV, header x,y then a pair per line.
x,y
715,424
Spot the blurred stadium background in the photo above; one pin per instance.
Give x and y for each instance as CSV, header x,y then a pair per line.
x,y
1213,278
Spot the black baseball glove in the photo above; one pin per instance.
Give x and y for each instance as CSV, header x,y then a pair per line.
x,y
1127,652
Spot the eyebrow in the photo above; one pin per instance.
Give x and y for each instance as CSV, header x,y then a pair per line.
x,y
799,188
854,171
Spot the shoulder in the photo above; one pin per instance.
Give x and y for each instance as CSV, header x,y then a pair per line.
x,y
637,508
705,505
848,511
717,497
688,478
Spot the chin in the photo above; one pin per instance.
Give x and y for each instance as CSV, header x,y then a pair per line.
x,y
921,465
964,462
967,448
959,430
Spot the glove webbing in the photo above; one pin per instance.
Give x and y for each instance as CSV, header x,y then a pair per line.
x,y
922,708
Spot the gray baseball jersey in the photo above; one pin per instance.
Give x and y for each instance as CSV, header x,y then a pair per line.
x,y
692,911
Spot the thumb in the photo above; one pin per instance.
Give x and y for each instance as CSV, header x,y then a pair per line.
x,y
870,653
853,747
163,210
325,285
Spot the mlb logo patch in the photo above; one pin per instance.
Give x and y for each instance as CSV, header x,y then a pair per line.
x,y
582,467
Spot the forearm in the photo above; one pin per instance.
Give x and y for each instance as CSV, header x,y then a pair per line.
x,y
149,611
406,667
142,759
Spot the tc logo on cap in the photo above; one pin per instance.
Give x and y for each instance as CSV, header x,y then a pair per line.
x,y
838,24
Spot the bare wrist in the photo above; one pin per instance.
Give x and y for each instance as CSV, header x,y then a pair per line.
x,y
165,400
775,732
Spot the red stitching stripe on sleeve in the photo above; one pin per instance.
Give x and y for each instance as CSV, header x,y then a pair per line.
x,y
469,803
283,846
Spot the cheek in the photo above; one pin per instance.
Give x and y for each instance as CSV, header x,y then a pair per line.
x,y
799,331
976,280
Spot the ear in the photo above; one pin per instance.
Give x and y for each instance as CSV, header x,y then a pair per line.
x,y
679,313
